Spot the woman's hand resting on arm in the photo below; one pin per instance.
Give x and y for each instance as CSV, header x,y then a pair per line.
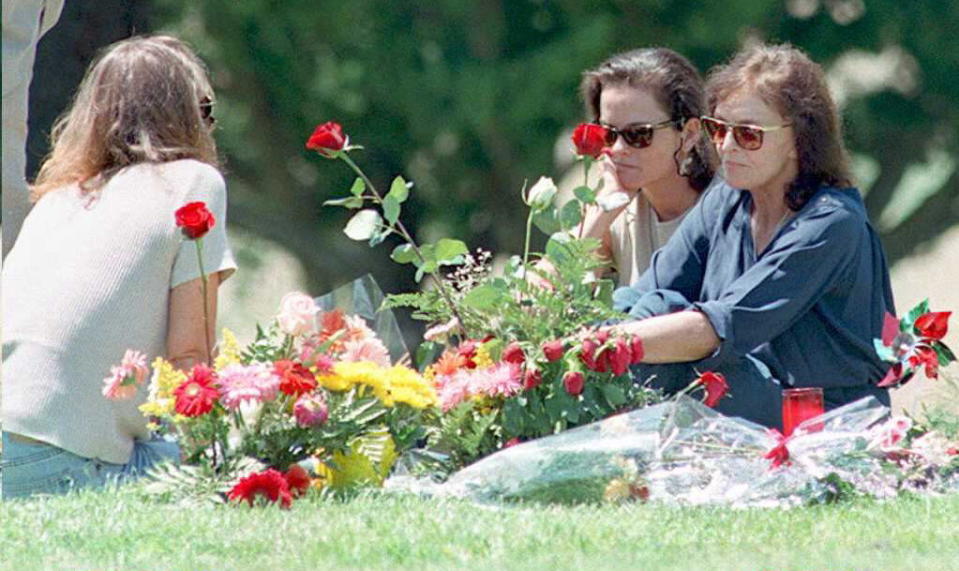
x,y
186,341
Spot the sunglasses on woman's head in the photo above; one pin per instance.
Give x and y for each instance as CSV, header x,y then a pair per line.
x,y
748,137
206,111
636,135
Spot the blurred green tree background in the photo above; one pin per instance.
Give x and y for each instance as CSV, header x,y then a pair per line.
x,y
470,98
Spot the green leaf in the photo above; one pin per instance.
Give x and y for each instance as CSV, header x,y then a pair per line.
x,y
377,238
391,208
448,250
348,202
398,190
570,215
557,247
483,297
512,417
363,225
604,292
358,188
547,221
426,353
585,194
614,394
404,254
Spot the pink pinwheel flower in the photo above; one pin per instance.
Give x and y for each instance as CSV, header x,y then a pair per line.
x,y
889,434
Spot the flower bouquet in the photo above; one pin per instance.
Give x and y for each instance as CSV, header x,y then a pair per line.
x,y
315,388
512,354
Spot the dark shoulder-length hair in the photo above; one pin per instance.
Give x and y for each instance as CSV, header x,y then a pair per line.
x,y
795,86
675,84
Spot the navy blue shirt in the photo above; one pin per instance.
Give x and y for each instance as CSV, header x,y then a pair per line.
x,y
808,306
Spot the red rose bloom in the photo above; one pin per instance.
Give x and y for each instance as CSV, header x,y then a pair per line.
x,y
298,480
554,350
197,395
295,379
589,139
620,357
532,379
326,138
933,325
268,484
195,219
715,385
513,353
573,382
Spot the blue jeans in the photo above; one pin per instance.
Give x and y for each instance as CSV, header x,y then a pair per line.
x,y
28,468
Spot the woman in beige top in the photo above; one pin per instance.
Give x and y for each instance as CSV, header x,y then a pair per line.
x,y
658,162
101,267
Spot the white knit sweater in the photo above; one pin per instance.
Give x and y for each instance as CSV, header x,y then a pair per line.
x,y
88,278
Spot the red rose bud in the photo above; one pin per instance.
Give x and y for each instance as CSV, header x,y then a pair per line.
x,y
716,387
554,350
588,353
195,219
513,353
636,344
602,336
327,138
295,379
933,325
620,357
573,382
589,139
532,379
512,442
601,360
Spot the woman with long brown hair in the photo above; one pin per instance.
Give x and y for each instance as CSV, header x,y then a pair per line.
x,y
776,277
101,267
657,160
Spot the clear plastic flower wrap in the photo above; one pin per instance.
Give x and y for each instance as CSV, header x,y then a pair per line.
x,y
682,452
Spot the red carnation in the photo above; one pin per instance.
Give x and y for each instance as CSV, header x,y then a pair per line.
x,y
327,138
589,139
573,382
933,325
197,395
778,454
298,480
268,484
295,379
715,385
638,353
195,219
513,353
554,350
532,379
620,357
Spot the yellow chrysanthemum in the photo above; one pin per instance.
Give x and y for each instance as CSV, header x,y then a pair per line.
x,y
347,375
229,351
482,358
409,387
166,378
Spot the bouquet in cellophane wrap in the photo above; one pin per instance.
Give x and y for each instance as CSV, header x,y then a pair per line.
x,y
682,452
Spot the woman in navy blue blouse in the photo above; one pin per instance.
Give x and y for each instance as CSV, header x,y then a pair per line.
x,y
776,278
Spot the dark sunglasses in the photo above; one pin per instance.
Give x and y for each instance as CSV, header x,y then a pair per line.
x,y
637,135
206,111
748,137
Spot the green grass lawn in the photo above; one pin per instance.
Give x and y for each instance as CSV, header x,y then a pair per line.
x,y
125,530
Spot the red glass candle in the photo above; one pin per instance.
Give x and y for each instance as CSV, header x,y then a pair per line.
x,y
800,405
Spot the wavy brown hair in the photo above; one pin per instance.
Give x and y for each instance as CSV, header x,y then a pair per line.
x,y
139,102
795,86
675,84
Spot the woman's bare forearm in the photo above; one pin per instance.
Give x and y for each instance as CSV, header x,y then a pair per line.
x,y
674,338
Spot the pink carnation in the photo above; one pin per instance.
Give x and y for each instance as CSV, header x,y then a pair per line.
x,y
240,383
368,349
502,379
124,379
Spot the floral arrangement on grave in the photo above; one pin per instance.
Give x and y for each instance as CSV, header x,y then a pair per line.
x,y
512,354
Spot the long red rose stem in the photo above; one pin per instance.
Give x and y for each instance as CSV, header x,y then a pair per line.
x,y
206,311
